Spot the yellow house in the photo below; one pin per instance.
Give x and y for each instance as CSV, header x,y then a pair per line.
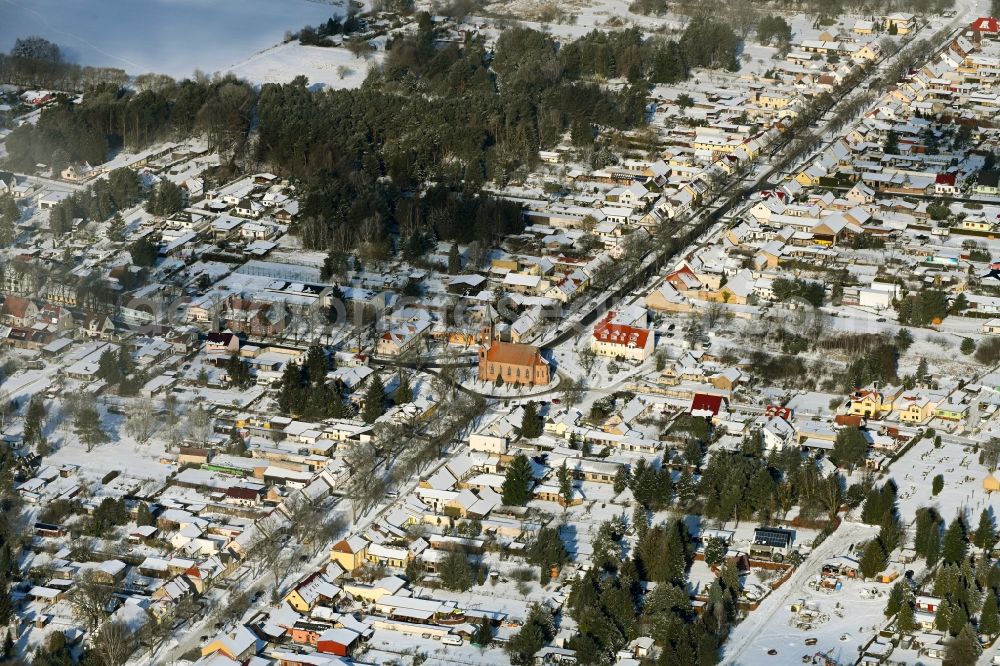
x,y
239,647
558,428
975,224
507,263
951,411
870,404
372,593
390,556
912,408
864,28
774,100
723,295
668,299
350,553
806,179
714,143
310,591
903,23
770,258
296,600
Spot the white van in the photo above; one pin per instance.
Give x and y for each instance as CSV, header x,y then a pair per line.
x,y
451,640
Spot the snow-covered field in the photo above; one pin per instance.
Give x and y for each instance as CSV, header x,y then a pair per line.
x,y
172,37
324,67
963,481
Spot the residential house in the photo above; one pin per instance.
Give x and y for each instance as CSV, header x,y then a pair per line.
x,y
621,341
869,403
402,338
914,407
242,645
350,553
18,311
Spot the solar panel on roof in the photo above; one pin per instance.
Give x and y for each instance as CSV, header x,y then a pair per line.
x,y
772,537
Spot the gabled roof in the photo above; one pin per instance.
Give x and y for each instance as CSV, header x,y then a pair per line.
x,y
704,402
514,354
619,334
985,24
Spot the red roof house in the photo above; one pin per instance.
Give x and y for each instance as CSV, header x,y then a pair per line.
x,y
705,404
986,24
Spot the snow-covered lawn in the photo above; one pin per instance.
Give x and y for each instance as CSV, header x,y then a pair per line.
x,y
172,37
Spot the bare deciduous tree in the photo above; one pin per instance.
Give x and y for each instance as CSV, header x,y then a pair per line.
x,y
89,599
199,424
140,422
114,644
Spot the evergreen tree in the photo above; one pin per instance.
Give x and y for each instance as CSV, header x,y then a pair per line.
x,y
640,520
955,545
715,551
986,533
166,199
6,607
873,559
144,252
850,448
336,410
454,260
905,621
968,346
664,553
404,392
623,479
922,371
517,478
937,485
33,419
942,617
484,634
606,551
896,596
903,339
565,484
317,365
374,400
116,229
547,551
965,649
143,515
989,617
958,620
928,537
290,393
456,573
686,491
537,630
238,372
87,426
531,422
10,214
891,146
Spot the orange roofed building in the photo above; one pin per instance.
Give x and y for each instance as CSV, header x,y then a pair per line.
x,y
515,363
